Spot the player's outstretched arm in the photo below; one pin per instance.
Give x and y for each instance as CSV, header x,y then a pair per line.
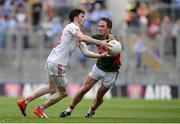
x,y
81,37
88,53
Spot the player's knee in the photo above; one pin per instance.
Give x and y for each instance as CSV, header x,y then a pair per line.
x,y
99,98
52,89
63,94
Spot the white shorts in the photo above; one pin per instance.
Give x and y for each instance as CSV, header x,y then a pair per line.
x,y
108,78
56,73
55,69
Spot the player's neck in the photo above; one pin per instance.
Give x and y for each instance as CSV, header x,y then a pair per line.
x,y
103,37
76,23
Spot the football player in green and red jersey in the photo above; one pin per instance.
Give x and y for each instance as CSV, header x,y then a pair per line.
x,y
106,69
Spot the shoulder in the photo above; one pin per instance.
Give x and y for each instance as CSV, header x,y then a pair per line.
x,y
72,28
71,25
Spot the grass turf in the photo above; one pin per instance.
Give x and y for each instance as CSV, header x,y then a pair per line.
x,y
115,110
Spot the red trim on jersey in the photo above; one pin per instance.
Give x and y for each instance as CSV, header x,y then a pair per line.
x,y
101,50
117,60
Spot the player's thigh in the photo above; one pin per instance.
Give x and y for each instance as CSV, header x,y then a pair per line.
x,y
89,82
52,86
62,90
101,91
57,81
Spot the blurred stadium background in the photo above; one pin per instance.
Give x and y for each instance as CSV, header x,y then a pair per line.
x,y
149,31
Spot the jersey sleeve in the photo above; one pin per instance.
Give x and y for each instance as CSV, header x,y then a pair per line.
x,y
96,36
73,29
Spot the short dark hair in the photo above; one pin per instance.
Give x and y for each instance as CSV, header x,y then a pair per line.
x,y
108,21
74,13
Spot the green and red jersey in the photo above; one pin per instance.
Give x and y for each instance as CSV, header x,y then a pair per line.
x,y
107,64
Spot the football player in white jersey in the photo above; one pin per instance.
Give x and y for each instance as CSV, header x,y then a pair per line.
x,y
57,62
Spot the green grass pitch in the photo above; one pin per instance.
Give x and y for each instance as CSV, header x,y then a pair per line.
x,y
115,110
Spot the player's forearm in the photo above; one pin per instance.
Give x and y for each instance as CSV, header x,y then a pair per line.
x,y
88,53
90,40
81,37
92,54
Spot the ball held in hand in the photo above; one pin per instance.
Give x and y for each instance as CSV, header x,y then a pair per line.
x,y
116,47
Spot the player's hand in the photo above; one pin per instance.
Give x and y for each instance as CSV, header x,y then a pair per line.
x,y
59,41
104,43
105,54
55,43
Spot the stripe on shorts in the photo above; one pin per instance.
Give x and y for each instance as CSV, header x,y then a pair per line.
x,y
60,70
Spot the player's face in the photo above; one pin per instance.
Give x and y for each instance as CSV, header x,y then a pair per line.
x,y
81,19
102,28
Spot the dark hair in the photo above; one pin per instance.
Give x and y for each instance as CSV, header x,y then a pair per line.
x,y
108,21
74,13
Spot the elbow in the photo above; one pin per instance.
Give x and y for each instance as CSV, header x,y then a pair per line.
x,y
81,37
85,54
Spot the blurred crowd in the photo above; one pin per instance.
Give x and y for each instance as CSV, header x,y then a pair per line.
x,y
153,18
139,14
49,16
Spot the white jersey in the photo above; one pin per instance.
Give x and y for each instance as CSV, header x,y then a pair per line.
x,y
62,52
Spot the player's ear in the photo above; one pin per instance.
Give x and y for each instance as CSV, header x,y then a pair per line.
x,y
75,18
